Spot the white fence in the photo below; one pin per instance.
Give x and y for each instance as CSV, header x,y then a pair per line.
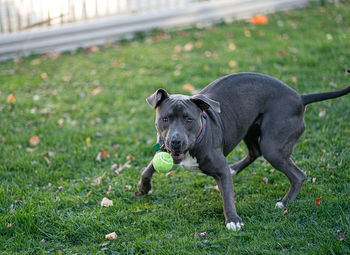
x,y
98,32
17,15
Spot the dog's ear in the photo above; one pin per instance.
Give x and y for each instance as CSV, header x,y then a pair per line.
x,y
204,103
158,96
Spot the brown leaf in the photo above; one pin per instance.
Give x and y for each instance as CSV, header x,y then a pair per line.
x,y
232,63
47,160
247,33
188,88
294,79
11,99
102,154
43,76
93,49
97,181
232,47
9,225
340,163
35,62
286,212
170,174
111,236
109,189
213,188
322,113
188,47
34,141
106,202
96,91
318,201
282,53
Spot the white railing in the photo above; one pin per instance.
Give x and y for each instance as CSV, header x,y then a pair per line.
x,y
17,15
100,31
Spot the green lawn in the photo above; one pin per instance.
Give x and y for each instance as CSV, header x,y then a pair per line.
x,y
48,203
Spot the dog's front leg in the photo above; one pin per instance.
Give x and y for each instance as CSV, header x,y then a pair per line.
x,y
232,220
145,186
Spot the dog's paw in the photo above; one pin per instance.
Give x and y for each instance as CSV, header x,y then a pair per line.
x,y
235,226
279,205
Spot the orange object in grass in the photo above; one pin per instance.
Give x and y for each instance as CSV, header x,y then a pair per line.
x,y
259,20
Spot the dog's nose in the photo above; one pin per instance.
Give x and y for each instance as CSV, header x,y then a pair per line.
x,y
176,143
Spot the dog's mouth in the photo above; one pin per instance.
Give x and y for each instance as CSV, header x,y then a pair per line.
x,y
177,156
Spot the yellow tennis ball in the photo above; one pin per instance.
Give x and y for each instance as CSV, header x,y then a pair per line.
x,y
163,162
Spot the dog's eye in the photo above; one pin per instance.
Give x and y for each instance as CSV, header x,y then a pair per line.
x,y
165,119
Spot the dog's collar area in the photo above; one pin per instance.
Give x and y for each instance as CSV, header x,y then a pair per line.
x,y
204,126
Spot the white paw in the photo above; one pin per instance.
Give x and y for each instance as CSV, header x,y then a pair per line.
x,y
233,172
234,226
150,192
279,205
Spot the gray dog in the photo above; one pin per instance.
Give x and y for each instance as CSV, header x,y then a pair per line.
x,y
200,131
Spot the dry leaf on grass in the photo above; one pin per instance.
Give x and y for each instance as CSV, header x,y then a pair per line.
x,y
11,99
96,91
322,113
117,169
102,154
189,88
213,188
111,236
109,189
34,141
97,181
318,201
265,180
106,202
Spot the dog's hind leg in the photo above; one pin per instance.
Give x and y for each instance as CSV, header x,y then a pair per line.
x,y
277,140
252,142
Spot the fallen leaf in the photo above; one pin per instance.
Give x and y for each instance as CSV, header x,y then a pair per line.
x,y
265,180
341,238
55,55
35,62
247,33
232,47
178,48
111,236
9,225
259,20
102,154
188,88
88,141
313,180
198,44
47,160
282,53
11,99
97,181
109,189
286,212
294,79
96,91
232,63
43,76
127,187
122,167
213,188
340,163
170,174
34,141
188,47
106,202
318,201
130,157
322,113
93,49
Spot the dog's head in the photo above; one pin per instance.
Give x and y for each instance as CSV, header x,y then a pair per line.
x,y
178,120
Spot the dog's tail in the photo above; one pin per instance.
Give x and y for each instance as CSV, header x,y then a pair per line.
x,y
311,98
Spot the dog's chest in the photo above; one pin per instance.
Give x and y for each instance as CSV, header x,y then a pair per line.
x,y
190,164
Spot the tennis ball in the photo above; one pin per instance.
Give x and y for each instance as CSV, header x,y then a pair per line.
x,y
163,162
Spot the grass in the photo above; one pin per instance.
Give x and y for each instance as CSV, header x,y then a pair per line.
x,y
46,191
